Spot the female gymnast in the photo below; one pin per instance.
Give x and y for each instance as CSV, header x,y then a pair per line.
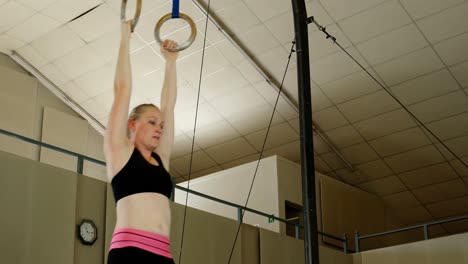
x,y
137,150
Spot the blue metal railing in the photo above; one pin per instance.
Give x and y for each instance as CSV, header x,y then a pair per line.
x,y
81,158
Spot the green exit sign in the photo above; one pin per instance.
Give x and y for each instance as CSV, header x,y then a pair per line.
x,y
271,219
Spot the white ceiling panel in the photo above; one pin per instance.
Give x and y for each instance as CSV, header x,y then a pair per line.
x,y
334,66
8,43
45,45
266,9
97,81
425,176
96,23
54,74
282,27
358,154
200,161
442,191
371,170
400,142
450,127
229,51
453,50
385,17
276,59
414,159
231,14
383,187
340,9
367,106
12,13
384,47
258,39
259,117
37,5
221,83
350,87
344,136
329,118
448,208
401,200
236,100
231,150
84,56
104,100
214,134
421,8
459,71
75,92
277,135
183,146
66,10
385,124
289,151
33,27
407,67
32,56
441,107
206,115
145,61
320,46
94,108
425,87
446,24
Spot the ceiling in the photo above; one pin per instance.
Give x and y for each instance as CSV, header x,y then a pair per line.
x,y
417,48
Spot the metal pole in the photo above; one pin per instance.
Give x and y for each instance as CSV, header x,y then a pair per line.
x,y
356,242
79,165
296,229
426,233
306,132
345,243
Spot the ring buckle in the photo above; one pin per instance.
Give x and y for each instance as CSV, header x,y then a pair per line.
x,y
183,16
137,13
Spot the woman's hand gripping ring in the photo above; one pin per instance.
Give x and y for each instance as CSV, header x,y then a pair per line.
x,y
137,13
184,45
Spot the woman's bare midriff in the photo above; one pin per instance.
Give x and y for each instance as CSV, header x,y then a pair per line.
x,y
145,211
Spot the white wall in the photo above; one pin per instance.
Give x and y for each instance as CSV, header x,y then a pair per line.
x,y
233,185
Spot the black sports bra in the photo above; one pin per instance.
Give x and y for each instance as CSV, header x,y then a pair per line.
x,y
139,176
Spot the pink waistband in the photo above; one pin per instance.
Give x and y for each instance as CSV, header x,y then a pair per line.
x,y
129,237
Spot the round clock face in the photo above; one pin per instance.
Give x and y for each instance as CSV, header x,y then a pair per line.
x,y
88,232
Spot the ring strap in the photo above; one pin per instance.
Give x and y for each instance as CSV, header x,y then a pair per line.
x,y
175,9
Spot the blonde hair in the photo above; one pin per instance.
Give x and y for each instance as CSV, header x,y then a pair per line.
x,y
137,112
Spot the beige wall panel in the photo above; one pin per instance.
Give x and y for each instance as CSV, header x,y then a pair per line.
x,y
250,244
14,205
17,104
64,131
42,205
233,185
90,204
94,149
208,238
52,221
451,249
279,249
347,209
289,187
7,63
